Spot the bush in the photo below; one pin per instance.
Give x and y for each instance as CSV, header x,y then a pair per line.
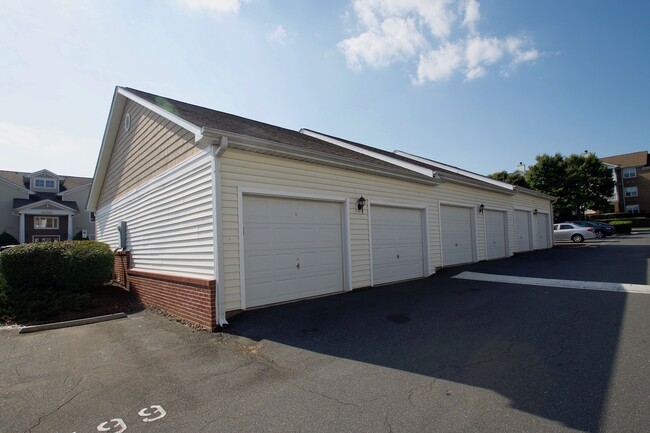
x,y
57,265
7,239
624,227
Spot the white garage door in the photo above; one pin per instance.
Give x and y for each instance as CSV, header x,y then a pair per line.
x,y
292,249
522,227
397,244
495,234
456,235
542,231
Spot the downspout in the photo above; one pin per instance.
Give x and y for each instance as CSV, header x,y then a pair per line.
x,y
217,229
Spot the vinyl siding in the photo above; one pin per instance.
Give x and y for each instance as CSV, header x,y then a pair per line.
x,y
8,222
152,146
169,221
241,169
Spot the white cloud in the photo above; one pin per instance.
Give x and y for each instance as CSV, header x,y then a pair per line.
x,y
393,39
441,36
280,36
214,6
28,149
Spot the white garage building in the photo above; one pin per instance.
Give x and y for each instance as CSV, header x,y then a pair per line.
x,y
225,213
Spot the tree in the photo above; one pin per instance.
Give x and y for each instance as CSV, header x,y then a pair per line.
x,y
516,178
580,182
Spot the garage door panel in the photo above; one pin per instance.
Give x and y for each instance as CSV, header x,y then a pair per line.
x,y
456,235
279,235
495,234
397,244
522,228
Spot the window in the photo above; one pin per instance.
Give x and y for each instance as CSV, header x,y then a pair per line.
x,y
46,223
631,191
629,173
42,182
632,208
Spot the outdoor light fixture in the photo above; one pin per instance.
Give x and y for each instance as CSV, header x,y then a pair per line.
x,y
361,203
535,212
481,208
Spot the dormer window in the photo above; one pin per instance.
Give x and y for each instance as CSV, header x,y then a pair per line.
x,y
42,182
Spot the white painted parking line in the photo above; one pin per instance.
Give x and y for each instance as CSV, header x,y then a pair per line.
x,y
550,282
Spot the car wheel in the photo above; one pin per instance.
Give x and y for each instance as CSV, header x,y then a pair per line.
x,y
577,238
600,234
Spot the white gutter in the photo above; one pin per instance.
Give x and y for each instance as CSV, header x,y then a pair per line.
x,y
403,164
217,230
456,170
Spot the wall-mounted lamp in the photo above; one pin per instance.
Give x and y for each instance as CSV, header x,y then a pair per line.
x,y
535,212
361,203
481,208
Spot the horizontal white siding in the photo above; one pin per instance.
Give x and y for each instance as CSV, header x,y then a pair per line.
x,y
249,170
169,221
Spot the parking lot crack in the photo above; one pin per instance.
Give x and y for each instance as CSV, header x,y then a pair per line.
x,y
40,419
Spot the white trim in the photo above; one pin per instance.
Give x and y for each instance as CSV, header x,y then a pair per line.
x,y
473,227
217,236
55,183
346,266
53,217
58,207
377,155
347,245
16,186
424,224
194,129
456,170
74,190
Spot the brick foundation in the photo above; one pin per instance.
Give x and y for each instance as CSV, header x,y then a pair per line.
x,y
188,298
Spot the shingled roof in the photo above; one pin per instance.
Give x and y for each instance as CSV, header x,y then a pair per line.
x,y
635,159
67,183
208,118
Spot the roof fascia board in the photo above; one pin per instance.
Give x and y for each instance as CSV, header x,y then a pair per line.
x,y
406,165
16,186
456,170
194,129
74,190
108,141
59,206
245,142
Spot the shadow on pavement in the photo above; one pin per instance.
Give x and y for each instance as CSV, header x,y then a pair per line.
x,y
549,351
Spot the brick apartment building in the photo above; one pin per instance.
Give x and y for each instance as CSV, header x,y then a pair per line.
x,y
632,174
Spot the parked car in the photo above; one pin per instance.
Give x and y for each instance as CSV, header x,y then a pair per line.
x,y
602,230
572,232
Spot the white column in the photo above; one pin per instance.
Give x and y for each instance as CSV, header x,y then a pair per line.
x,y
70,225
21,229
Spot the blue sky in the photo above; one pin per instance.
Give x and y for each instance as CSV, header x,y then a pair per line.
x,y
478,85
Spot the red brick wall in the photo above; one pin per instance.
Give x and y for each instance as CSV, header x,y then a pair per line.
x,y
188,298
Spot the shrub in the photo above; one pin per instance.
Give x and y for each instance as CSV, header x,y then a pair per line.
x,y
624,227
7,239
58,265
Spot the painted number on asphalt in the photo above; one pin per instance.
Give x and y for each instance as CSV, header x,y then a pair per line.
x,y
148,414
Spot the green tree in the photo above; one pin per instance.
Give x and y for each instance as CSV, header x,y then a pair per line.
x,y
580,182
515,178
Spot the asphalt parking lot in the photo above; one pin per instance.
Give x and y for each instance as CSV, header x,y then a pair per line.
x,y
440,354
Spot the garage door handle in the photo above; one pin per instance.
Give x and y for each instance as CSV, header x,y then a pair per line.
x,y
298,265
398,256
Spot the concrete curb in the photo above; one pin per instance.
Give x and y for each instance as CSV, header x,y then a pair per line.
x,y
70,323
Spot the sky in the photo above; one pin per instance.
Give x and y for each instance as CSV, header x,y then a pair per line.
x,y
478,85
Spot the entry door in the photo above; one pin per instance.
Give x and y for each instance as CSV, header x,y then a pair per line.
x,y
542,231
292,249
522,228
456,228
397,244
495,234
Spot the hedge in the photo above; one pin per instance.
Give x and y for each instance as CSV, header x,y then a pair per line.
x,y
624,227
58,265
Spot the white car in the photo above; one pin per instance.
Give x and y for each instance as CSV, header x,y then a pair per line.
x,y
572,232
